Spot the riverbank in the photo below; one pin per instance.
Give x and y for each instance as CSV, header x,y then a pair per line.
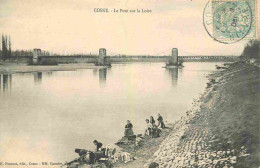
x,y
23,68
222,128
145,150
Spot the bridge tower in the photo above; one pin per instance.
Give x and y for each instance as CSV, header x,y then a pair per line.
x,y
174,58
36,54
102,56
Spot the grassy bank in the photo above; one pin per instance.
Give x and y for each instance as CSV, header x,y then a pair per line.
x,y
222,129
233,119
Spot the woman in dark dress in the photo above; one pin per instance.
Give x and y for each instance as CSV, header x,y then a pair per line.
x,y
129,129
98,145
160,121
155,131
152,121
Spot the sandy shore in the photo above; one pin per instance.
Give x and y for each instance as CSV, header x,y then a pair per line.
x,y
222,128
11,69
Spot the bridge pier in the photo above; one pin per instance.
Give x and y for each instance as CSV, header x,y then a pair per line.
x,y
174,57
102,56
36,55
173,60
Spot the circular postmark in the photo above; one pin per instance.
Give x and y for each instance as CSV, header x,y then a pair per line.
x,y
227,21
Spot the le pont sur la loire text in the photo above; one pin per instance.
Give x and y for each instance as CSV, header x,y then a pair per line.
x,y
106,10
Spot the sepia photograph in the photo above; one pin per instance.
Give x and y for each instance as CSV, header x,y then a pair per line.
x,y
130,84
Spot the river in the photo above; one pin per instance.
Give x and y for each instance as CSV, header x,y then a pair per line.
x,y
45,116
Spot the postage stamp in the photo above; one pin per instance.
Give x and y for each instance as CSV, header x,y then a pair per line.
x,y
229,21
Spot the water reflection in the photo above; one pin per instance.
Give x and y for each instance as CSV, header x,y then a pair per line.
x,y
7,82
95,72
173,73
37,77
50,73
10,81
102,77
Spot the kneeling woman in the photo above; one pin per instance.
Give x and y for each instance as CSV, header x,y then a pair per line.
x,y
129,129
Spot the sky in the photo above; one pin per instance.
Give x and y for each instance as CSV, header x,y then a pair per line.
x,y
72,26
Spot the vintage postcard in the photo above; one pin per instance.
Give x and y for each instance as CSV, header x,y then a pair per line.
x,y
129,84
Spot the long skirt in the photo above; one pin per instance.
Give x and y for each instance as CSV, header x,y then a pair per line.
x,y
161,124
129,132
156,132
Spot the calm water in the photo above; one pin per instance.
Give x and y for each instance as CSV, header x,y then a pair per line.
x,y
50,114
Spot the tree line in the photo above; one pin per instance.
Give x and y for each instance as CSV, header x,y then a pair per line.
x,y
251,50
6,52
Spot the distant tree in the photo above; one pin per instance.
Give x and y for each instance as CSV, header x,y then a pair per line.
x,y
6,47
9,48
252,50
2,51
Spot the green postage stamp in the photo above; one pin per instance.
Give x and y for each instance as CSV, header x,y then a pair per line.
x,y
229,21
